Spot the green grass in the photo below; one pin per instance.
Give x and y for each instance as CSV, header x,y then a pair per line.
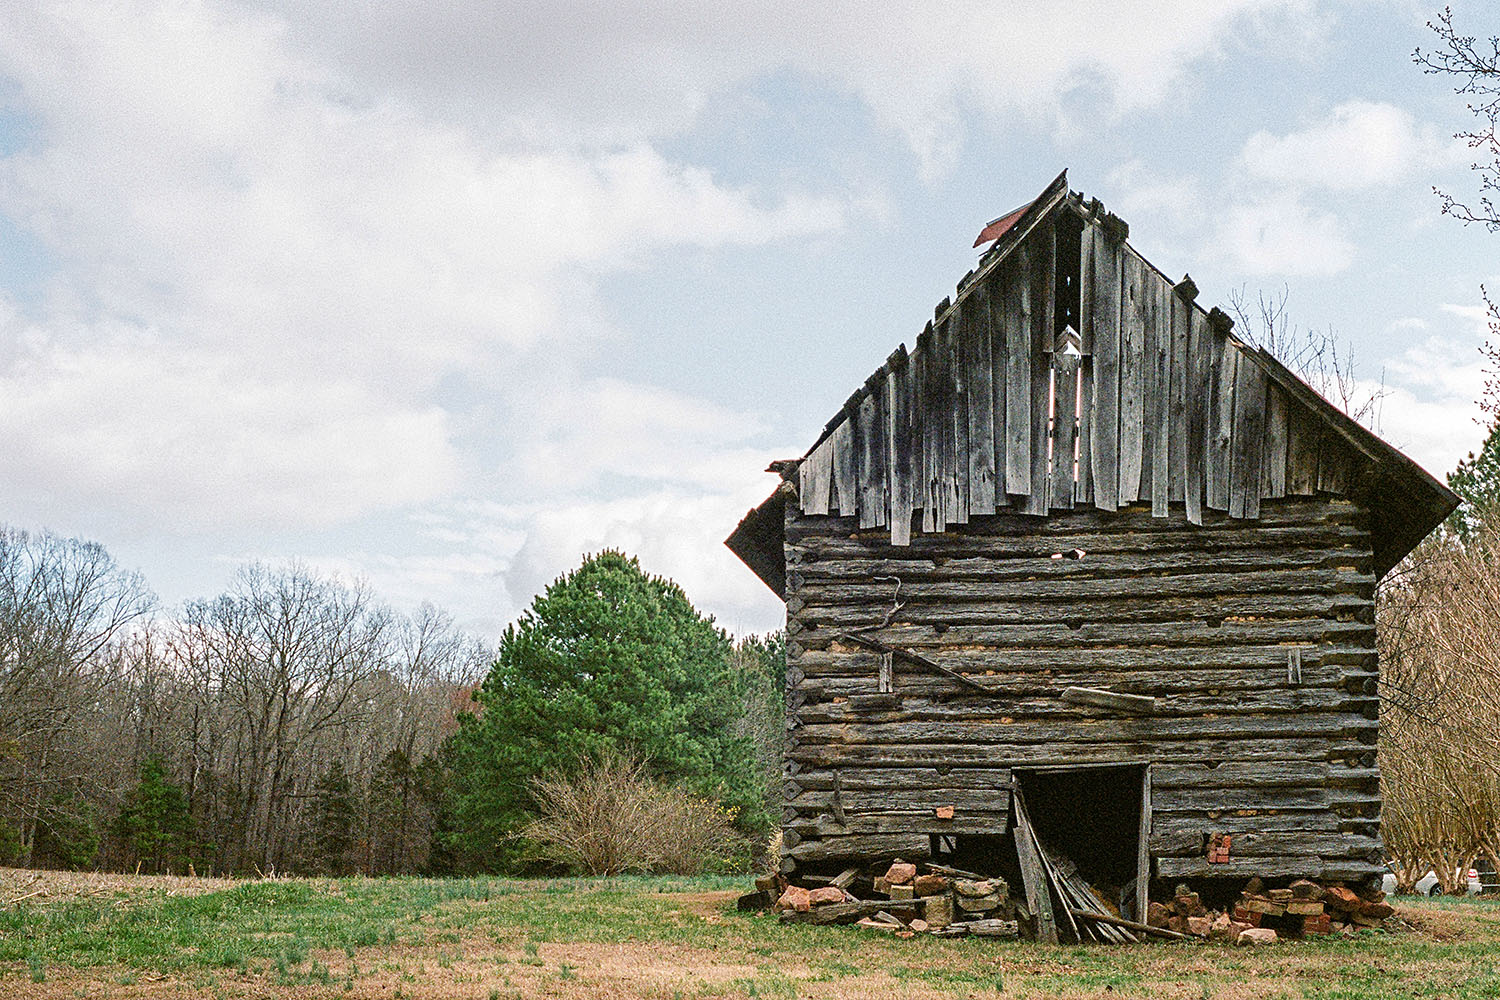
x,y
524,939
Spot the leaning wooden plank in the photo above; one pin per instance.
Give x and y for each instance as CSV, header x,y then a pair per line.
x,y
1043,332
899,447
1018,310
816,472
1064,428
1249,438
1134,319
979,391
1130,925
1143,847
1034,877
1109,699
870,433
916,658
1104,420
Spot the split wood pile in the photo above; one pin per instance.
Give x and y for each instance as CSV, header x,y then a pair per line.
x,y
1261,915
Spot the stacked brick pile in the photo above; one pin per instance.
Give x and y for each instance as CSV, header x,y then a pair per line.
x,y
904,902
1261,915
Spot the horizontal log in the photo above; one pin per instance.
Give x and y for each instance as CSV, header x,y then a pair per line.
x,y
897,778
973,577
964,821
1277,868
1201,824
972,594
1149,729
817,800
1001,706
1298,512
1226,682
1103,749
1158,658
911,846
1288,843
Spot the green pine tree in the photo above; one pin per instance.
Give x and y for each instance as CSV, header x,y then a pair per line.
x,y
334,821
608,658
156,825
1476,480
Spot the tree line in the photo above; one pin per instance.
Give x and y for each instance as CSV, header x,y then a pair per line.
x,y
294,723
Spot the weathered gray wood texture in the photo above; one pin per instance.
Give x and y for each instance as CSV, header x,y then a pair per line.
x,y
1142,368
1199,617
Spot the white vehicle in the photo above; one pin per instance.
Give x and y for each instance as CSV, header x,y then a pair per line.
x,y
1428,885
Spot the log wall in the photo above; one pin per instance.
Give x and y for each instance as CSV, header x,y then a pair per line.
x,y
1203,618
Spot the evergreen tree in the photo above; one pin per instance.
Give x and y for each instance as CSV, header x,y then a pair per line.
x,y
155,824
395,804
607,659
334,821
1476,480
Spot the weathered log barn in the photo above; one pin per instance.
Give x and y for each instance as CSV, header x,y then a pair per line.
x,y
1086,545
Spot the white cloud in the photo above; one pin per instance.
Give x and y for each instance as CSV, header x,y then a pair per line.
x,y
1280,235
200,441
1360,144
605,72
295,268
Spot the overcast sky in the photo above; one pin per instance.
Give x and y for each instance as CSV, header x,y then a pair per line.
x,y
445,294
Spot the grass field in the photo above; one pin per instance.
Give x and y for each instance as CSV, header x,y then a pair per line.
x,y
648,937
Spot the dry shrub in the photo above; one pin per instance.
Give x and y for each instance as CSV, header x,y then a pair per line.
x,y
610,816
1439,618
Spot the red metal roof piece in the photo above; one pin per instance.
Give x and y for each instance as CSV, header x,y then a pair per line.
x,y
1000,226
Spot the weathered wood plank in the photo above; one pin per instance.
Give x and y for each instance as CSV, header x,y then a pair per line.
x,y
1043,333
870,433
1273,483
1145,728
937,430
816,479
911,846
1104,420
1034,881
1198,393
1303,444
1100,751
1220,425
1112,700
1064,429
1135,320
1158,402
1018,361
1180,374
1143,847
845,479
899,447
979,374
1249,438
956,440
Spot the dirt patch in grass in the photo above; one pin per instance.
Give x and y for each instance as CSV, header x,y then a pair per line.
x,y
28,885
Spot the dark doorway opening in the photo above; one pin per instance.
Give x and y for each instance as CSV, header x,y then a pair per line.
x,y
1095,819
